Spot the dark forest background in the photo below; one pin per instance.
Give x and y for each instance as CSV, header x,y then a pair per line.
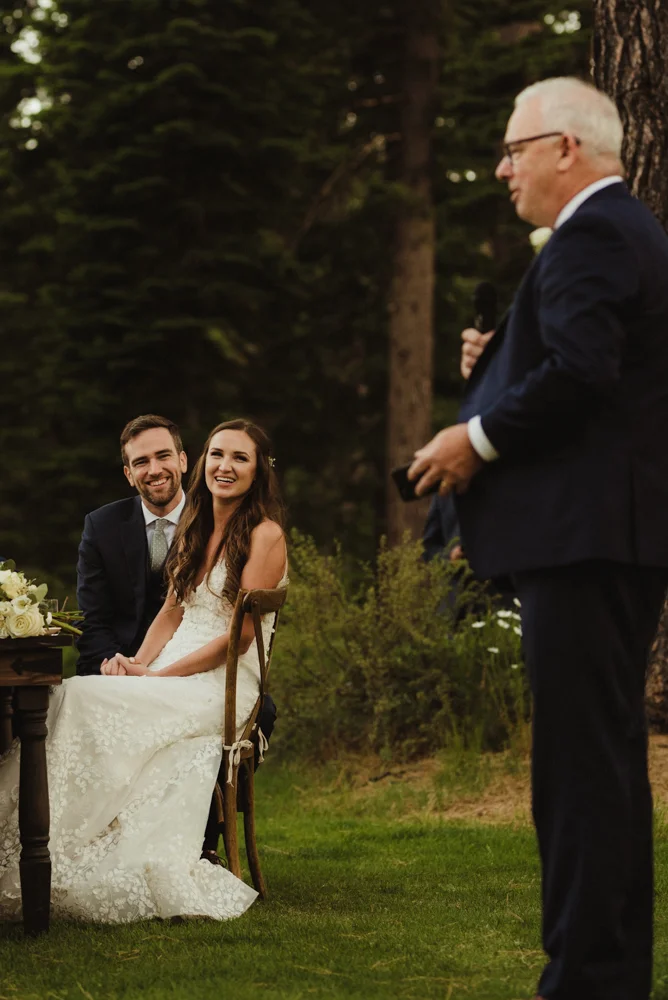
x,y
198,206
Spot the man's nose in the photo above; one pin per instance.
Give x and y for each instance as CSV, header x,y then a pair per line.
x,y
504,170
154,467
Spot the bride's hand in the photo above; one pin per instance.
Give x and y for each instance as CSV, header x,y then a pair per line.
x,y
112,667
132,667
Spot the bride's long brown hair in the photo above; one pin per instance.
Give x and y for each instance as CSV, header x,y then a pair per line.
x,y
261,502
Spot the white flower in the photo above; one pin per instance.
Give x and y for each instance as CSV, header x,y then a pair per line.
x,y
5,608
30,622
4,634
539,237
504,614
503,624
514,666
478,624
517,630
518,618
516,602
21,604
492,649
12,583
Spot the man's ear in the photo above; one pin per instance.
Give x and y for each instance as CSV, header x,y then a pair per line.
x,y
183,461
128,475
569,153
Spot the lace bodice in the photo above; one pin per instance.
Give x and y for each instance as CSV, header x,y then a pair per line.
x,y
206,617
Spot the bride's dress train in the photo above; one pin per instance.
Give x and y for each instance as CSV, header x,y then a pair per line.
x,y
132,762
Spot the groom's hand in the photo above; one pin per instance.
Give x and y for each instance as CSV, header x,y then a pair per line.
x,y
112,667
131,667
449,458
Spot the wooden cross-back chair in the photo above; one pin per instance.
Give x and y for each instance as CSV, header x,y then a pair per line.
x,y
235,787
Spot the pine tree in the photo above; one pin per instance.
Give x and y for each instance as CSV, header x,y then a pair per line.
x,y
201,220
628,63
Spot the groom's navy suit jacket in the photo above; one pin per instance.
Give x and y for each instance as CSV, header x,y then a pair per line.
x,y
573,394
113,583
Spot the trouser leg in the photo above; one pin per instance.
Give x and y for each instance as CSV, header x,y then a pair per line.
x,y
587,633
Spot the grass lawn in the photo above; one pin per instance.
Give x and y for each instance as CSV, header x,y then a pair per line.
x,y
364,903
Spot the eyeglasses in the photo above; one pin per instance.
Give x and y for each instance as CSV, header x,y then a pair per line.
x,y
512,154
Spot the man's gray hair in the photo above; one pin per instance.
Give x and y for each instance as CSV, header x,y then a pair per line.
x,y
571,105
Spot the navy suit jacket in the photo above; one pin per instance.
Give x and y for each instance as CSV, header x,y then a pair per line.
x,y
111,582
573,394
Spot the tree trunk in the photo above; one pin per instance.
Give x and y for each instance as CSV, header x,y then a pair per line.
x,y
629,64
412,289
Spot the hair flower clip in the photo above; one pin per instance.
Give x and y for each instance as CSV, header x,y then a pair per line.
x,y
272,461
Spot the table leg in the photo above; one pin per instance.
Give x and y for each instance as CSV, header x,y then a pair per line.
x,y
35,862
6,712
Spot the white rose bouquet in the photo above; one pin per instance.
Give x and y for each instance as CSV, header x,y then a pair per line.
x,y
20,614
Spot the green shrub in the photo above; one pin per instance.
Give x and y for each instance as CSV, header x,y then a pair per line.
x,y
404,658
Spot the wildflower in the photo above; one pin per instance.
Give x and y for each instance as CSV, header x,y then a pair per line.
x,y
492,649
503,614
478,624
514,666
502,624
517,630
516,602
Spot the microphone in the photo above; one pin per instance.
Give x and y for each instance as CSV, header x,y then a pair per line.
x,y
484,306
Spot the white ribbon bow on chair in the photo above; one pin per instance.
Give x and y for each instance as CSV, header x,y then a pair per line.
x,y
263,744
235,756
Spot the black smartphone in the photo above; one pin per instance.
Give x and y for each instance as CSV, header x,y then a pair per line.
x,y
406,487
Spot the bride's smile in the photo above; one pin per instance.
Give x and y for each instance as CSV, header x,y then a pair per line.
x,y
231,464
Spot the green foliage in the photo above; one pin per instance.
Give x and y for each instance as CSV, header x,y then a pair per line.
x,y
199,221
404,659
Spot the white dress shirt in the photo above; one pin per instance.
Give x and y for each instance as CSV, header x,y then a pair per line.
x,y
173,517
477,436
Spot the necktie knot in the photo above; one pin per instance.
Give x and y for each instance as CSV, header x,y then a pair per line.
x,y
159,544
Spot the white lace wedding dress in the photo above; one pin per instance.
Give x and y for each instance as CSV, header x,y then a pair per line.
x,y
132,762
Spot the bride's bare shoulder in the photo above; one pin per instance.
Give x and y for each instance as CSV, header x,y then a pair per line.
x,y
267,534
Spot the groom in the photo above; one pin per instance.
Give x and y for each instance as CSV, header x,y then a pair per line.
x,y
120,581
561,471
120,586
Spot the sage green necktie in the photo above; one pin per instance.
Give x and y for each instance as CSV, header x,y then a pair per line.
x,y
159,545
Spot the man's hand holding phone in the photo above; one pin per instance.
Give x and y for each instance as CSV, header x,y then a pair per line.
x,y
449,461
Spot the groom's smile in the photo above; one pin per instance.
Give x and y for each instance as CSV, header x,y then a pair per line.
x,y
155,468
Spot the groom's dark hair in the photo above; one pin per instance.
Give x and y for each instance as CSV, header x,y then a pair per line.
x,y
146,423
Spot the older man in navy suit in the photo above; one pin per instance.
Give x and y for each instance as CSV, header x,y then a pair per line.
x,y
561,471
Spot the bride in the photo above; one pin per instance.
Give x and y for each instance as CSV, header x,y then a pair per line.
x,y
131,763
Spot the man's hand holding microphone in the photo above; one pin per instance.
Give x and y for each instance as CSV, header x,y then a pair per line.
x,y
450,457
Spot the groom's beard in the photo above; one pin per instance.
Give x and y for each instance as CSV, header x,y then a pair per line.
x,y
160,496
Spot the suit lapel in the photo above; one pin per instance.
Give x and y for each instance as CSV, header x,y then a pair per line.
x,y
133,536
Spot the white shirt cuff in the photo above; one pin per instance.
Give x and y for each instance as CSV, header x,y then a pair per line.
x,y
480,441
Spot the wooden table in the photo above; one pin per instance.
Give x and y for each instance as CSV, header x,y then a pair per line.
x,y
27,668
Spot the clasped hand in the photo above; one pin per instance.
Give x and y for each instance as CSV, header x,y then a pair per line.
x,y
120,666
